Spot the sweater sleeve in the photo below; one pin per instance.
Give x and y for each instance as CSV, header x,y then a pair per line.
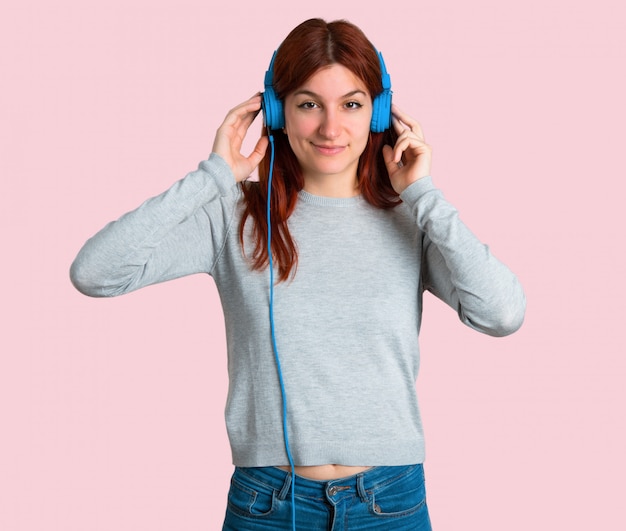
x,y
459,269
179,232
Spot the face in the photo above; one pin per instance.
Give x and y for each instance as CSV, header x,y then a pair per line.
x,y
327,121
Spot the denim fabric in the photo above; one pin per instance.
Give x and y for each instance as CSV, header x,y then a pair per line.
x,y
381,498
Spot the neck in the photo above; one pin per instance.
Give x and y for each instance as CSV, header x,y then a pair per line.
x,y
332,186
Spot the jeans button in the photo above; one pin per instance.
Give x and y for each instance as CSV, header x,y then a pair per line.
x,y
332,491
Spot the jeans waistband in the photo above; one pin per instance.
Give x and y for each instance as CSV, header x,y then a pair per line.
x,y
360,484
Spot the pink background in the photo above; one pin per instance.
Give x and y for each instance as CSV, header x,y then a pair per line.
x,y
111,411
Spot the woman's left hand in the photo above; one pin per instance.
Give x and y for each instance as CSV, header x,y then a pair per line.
x,y
409,160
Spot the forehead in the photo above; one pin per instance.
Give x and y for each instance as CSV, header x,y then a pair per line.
x,y
332,80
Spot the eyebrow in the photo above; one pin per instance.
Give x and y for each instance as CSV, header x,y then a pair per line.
x,y
314,95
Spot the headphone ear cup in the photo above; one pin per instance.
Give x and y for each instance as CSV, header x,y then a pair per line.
x,y
381,112
381,106
273,114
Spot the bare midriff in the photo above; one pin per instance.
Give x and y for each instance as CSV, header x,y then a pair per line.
x,y
326,472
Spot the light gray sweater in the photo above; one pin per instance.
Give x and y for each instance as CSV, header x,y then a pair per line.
x,y
347,324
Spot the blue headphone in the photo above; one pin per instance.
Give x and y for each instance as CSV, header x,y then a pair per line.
x,y
274,115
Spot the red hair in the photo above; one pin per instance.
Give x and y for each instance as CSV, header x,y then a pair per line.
x,y
310,46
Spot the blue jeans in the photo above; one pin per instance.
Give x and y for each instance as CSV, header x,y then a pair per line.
x,y
381,498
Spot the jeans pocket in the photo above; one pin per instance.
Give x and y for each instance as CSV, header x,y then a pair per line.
x,y
250,502
401,497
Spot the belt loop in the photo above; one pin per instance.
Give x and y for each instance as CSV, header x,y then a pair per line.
x,y
282,494
360,488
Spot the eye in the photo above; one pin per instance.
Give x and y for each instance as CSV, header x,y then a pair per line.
x,y
307,105
353,105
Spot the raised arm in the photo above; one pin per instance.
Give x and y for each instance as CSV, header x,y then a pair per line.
x,y
456,267
171,235
179,232
460,269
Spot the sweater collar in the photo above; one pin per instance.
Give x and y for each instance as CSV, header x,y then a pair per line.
x,y
318,200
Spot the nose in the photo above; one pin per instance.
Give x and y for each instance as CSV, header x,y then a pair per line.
x,y
330,125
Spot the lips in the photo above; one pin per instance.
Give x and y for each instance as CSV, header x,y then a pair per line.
x,y
328,150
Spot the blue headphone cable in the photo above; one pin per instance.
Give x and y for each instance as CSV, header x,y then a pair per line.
x,y
273,333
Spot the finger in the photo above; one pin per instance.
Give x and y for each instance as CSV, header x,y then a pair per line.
x,y
407,141
231,133
259,151
404,118
246,110
239,119
390,162
397,125
251,102
252,108
409,135
246,120
399,149
403,129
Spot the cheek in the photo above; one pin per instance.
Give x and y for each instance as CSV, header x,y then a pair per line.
x,y
362,132
299,127
360,125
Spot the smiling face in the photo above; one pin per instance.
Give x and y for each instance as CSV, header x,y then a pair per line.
x,y
327,121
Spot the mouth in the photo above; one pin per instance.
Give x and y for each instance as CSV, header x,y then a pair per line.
x,y
328,150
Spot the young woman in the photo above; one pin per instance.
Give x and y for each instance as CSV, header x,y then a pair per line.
x,y
321,409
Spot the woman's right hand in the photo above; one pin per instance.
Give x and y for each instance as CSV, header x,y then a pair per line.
x,y
230,135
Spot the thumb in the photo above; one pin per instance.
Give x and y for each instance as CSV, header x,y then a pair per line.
x,y
259,152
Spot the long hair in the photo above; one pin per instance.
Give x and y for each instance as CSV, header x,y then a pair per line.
x,y
310,46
